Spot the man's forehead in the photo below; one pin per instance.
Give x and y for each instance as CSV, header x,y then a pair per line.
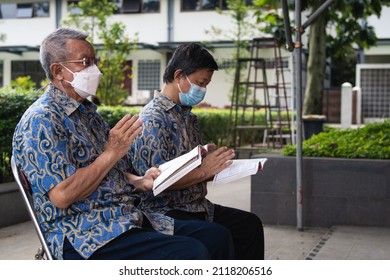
x,y
80,48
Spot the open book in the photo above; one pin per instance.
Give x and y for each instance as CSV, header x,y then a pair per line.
x,y
240,168
175,169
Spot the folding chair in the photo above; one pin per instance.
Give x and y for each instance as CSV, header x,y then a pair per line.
x,y
28,200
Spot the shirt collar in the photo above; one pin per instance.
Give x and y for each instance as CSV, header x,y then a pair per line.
x,y
68,104
167,103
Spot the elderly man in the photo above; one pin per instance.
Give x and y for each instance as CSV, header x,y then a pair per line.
x,y
80,171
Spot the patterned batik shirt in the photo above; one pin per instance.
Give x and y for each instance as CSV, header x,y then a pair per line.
x,y
169,130
56,136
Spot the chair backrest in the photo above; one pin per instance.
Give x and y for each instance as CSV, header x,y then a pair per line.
x,y
28,200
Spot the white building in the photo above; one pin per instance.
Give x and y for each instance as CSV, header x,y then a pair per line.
x,y
161,25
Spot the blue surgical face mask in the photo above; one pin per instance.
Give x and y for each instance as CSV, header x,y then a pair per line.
x,y
194,96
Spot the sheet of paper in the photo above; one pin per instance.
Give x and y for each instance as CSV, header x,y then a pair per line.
x,y
240,168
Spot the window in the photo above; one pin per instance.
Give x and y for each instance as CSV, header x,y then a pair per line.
x,y
149,75
30,68
125,6
24,10
8,10
137,6
131,6
151,6
206,5
41,9
374,84
210,4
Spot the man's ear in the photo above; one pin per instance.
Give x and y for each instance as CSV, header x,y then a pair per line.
x,y
178,75
56,71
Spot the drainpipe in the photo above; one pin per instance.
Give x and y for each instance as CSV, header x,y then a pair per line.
x,y
170,20
58,6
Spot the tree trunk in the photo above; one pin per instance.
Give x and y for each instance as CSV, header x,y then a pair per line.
x,y
315,66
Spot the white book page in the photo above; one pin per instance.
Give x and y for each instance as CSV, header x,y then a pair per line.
x,y
238,169
175,169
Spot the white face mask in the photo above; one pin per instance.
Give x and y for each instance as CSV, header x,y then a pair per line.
x,y
86,82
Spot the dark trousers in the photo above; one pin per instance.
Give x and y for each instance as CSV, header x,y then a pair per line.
x,y
245,227
192,239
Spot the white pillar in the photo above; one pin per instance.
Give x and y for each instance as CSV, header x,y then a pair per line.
x,y
346,105
7,72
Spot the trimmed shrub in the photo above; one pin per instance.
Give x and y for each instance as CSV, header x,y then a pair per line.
x,y
13,103
371,141
112,114
214,123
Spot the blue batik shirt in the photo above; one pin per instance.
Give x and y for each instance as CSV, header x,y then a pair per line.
x,y
169,130
55,136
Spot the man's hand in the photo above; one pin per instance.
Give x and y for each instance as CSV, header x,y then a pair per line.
x,y
119,140
122,135
216,161
144,183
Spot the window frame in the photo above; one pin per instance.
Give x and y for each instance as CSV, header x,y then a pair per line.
x,y
222,5
140,9
23,10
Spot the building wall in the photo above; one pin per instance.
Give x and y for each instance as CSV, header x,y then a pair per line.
x,y
152,29
27,31
149,28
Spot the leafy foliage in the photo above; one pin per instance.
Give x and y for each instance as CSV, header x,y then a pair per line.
x,y
112,114
13,103
347,20
371,141
270,19
23,83
214,123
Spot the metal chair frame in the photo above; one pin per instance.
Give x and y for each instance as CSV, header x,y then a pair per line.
x,y
25,190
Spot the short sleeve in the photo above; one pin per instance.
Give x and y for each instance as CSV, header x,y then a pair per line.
x,y
42,150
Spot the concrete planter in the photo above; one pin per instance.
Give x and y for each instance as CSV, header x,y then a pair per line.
x,y
335,191
12,208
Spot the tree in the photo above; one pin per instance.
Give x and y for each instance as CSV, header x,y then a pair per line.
x,y
113,45
244,28
269,18
348,30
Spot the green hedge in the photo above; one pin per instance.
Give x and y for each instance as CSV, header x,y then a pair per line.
x,y
112,114
214,123
13,103
371,141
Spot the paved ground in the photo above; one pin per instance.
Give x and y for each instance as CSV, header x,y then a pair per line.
x,y
19,242
288,243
